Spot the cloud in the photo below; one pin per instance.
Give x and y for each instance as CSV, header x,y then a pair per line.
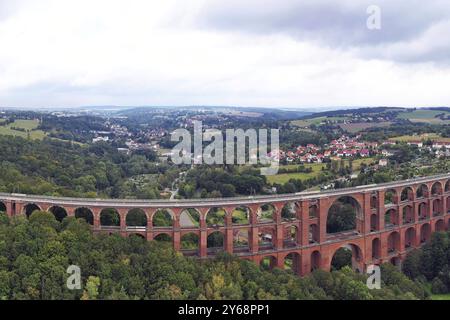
x,y
8,8
112,52
429,46
340,24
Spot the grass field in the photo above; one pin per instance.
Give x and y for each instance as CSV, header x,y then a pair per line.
x,y
426,116
28,125
316,170
441,296
358,162
285,177
316,121
360,126
422,137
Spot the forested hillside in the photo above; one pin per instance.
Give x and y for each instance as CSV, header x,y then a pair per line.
x,y
35,254
51,167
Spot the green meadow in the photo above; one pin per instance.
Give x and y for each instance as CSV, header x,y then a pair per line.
x,y
28,126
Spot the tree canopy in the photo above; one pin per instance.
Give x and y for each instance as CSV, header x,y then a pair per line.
x,y
36,252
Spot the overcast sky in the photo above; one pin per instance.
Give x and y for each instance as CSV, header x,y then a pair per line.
x,y
274,53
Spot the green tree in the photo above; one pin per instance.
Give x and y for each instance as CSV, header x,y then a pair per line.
x,y
91,292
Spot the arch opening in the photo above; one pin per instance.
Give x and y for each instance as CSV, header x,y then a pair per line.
x,y
2,207
314,211
373,202
136,218
374,223
393,244
290,236
437,208
109,218
390,197
189,218
391,218
376,248
163,237
293,263
407,194
190,243
30,208
316,260
436,189
408,215
348,255
268,263
162,218
425,233
240,240
344,215
240,216
395,261
216,217
289,211
59,212
266,213
410,238
448,205
423,211
313,233
215,242
422,191
440,225
137,236
85,214
266,236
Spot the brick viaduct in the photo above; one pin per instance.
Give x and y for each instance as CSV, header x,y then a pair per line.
x,y
392,219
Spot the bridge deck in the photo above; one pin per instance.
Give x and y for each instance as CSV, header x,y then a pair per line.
x,y
216,201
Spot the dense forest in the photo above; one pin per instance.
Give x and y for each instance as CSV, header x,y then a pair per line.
x,y
431,264
216,182
58,168
52,167
35,255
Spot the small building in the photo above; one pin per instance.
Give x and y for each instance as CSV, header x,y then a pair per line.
x,y
100,139
124,150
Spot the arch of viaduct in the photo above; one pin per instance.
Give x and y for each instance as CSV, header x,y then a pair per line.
x,y
392,219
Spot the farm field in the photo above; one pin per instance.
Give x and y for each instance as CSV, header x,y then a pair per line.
x,y
316,121
426,116
358,162
27,125
360,126
316,170
285,177
422,137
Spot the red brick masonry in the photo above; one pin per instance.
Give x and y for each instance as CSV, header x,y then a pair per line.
x,y
412,220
